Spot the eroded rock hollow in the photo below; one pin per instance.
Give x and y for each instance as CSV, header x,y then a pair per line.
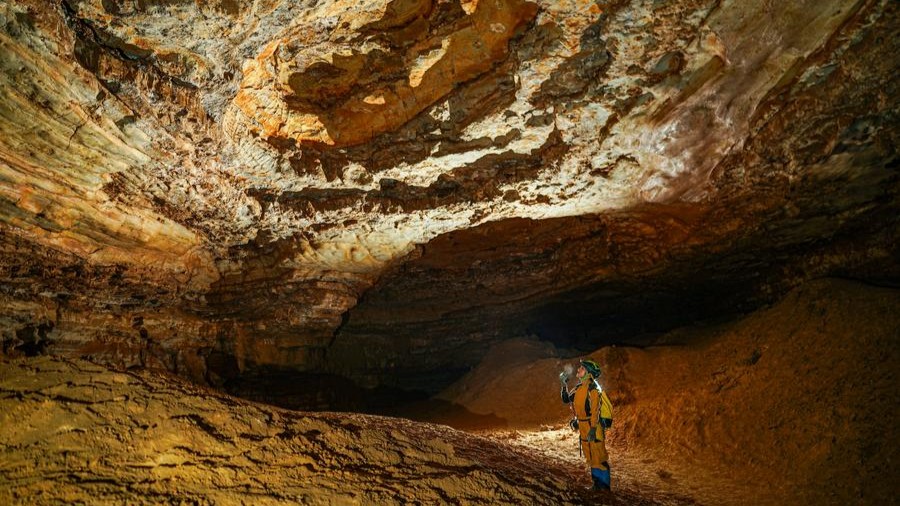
x,y
336,204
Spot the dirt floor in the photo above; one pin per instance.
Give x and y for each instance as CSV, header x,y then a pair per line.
x,y
798,403
77,433
794,404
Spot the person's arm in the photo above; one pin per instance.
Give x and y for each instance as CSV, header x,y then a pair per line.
x,y
564,393
566,396
595,407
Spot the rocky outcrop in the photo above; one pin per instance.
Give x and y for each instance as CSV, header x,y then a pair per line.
x,y
379,67
219,188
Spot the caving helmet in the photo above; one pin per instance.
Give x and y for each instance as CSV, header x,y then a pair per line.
x,y
592,367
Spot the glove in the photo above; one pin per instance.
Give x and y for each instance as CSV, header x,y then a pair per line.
x,y
592,435
563,378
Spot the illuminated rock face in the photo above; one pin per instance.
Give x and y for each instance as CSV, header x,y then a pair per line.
x,y
213,187
340,87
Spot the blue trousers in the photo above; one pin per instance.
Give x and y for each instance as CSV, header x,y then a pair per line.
x,y
601,477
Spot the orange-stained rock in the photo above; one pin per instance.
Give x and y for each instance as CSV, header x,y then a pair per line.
x,y
343,94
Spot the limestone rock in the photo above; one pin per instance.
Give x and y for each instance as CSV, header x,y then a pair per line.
x,y
218,187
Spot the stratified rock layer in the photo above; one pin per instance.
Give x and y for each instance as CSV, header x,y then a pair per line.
x,y
217,188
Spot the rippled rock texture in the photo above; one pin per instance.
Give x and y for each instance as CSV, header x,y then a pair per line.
x,y
383,189
78,433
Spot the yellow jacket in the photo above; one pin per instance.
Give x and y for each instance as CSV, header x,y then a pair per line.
x,y
588,395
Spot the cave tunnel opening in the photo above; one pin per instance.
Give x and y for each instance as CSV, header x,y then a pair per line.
x,y
587,319
430,322
563,326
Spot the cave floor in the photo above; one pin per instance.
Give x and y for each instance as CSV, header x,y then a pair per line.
x,y
654,479
637,476
76,432
773,408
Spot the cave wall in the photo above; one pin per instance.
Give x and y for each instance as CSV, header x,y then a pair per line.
x,y
383,190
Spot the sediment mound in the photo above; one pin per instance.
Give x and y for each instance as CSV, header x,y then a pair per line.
x,y
776,408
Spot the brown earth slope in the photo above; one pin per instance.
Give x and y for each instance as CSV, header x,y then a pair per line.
x,y
72,432
795,404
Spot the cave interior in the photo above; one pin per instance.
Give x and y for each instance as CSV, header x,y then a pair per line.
x,y
247,226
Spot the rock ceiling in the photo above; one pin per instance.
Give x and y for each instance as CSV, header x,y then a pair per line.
x,y
210,186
